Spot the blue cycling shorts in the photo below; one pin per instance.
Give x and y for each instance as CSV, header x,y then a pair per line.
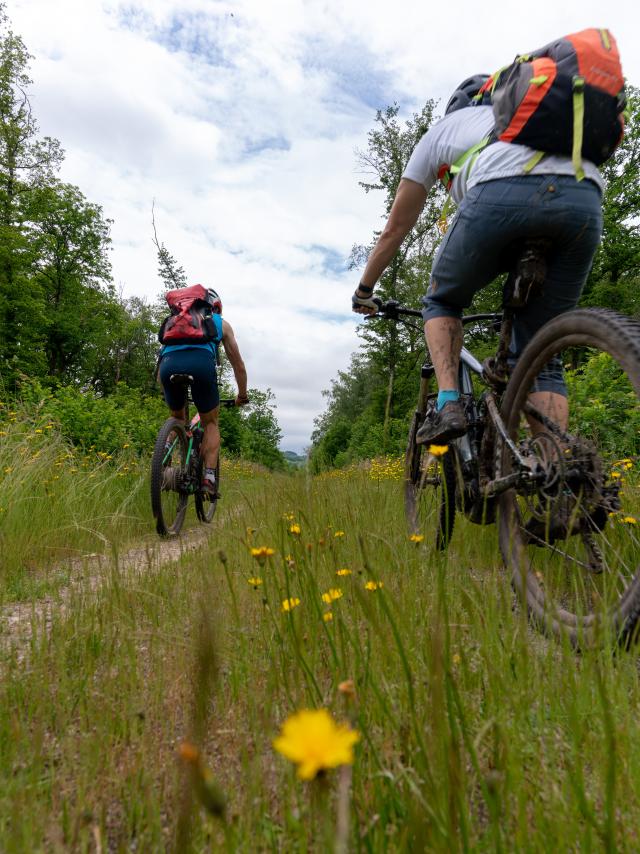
x,y
200,362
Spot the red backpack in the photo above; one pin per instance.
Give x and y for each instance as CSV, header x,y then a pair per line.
x,y
566,98
191,320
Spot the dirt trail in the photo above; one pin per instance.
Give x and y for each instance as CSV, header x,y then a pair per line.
x,y
88,573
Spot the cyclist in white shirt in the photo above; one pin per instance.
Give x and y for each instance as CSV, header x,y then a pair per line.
x,y
499,204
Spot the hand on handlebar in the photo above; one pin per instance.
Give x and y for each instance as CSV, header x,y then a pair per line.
x,y
365,305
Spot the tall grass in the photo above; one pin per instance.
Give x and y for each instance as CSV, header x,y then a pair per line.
x,y
476,733
57,502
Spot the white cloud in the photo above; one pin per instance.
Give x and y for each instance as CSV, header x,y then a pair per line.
x,y
241,118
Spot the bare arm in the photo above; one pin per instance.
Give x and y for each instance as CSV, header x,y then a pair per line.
x,y
233,354
406,209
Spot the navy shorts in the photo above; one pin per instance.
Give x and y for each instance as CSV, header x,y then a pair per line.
x,y
200,362
492,216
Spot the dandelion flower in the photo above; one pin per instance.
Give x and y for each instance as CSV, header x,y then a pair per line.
x,y
373,585
438,450
327,617
630,520
254,582
343,572
331,595
262,552
616,475
416,538
339,534
290,604
294,529
314,742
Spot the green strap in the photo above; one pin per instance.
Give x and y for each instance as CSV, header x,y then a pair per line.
x,y
470,153
533,161
539,80
578,126
444,213
470,156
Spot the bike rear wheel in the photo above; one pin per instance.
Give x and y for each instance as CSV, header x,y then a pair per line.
x,y
572,540
168,469
429,490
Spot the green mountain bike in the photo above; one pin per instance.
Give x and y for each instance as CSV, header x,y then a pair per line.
x,y
176,471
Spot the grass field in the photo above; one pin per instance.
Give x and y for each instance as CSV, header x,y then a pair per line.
x,y
145,692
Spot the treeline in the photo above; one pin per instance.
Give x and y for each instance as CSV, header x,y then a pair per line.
x,y
370,404
68,337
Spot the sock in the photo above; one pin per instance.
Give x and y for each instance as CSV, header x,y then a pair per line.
x,y
446,396
210,475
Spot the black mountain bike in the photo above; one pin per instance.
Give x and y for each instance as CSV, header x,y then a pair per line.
x,y
176,470
565,495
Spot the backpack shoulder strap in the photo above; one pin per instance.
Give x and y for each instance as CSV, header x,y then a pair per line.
x,y
217,319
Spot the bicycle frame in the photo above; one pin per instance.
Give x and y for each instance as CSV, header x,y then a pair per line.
x,y
527,468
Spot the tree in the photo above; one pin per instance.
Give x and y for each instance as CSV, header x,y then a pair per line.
x,y
390,145
70,241
262,433
616,270
26,164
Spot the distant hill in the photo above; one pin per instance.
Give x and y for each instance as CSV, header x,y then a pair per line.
x,y
294,459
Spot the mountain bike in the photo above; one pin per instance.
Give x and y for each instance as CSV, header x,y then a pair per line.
x,y
176,470
565,495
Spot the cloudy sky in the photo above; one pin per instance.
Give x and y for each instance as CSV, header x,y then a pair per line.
x,y
241,119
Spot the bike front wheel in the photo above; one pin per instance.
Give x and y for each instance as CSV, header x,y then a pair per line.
x,y
570,532
206,504
429,489
168,469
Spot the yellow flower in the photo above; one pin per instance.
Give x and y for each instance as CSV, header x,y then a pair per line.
x,y
339,534
455,658
616,475
262,552
255,582
290,604
314,742
630,520
38,430
416,538
294,529
3,432
331,595
327,617
126,445
438,450
373,585
343,572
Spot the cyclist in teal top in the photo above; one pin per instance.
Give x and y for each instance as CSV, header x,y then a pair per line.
x,y
199,360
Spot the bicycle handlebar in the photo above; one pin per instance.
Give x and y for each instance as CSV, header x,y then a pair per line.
x,y
392,310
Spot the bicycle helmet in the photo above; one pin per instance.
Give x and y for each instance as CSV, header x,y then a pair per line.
x,y
215,301
465,92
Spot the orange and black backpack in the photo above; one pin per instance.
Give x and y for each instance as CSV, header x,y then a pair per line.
x,y
567,98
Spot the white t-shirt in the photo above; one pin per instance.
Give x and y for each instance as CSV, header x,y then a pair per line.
x,y
449,138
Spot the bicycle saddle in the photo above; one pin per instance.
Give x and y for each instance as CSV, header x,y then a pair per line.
x,y
528,273
181,379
